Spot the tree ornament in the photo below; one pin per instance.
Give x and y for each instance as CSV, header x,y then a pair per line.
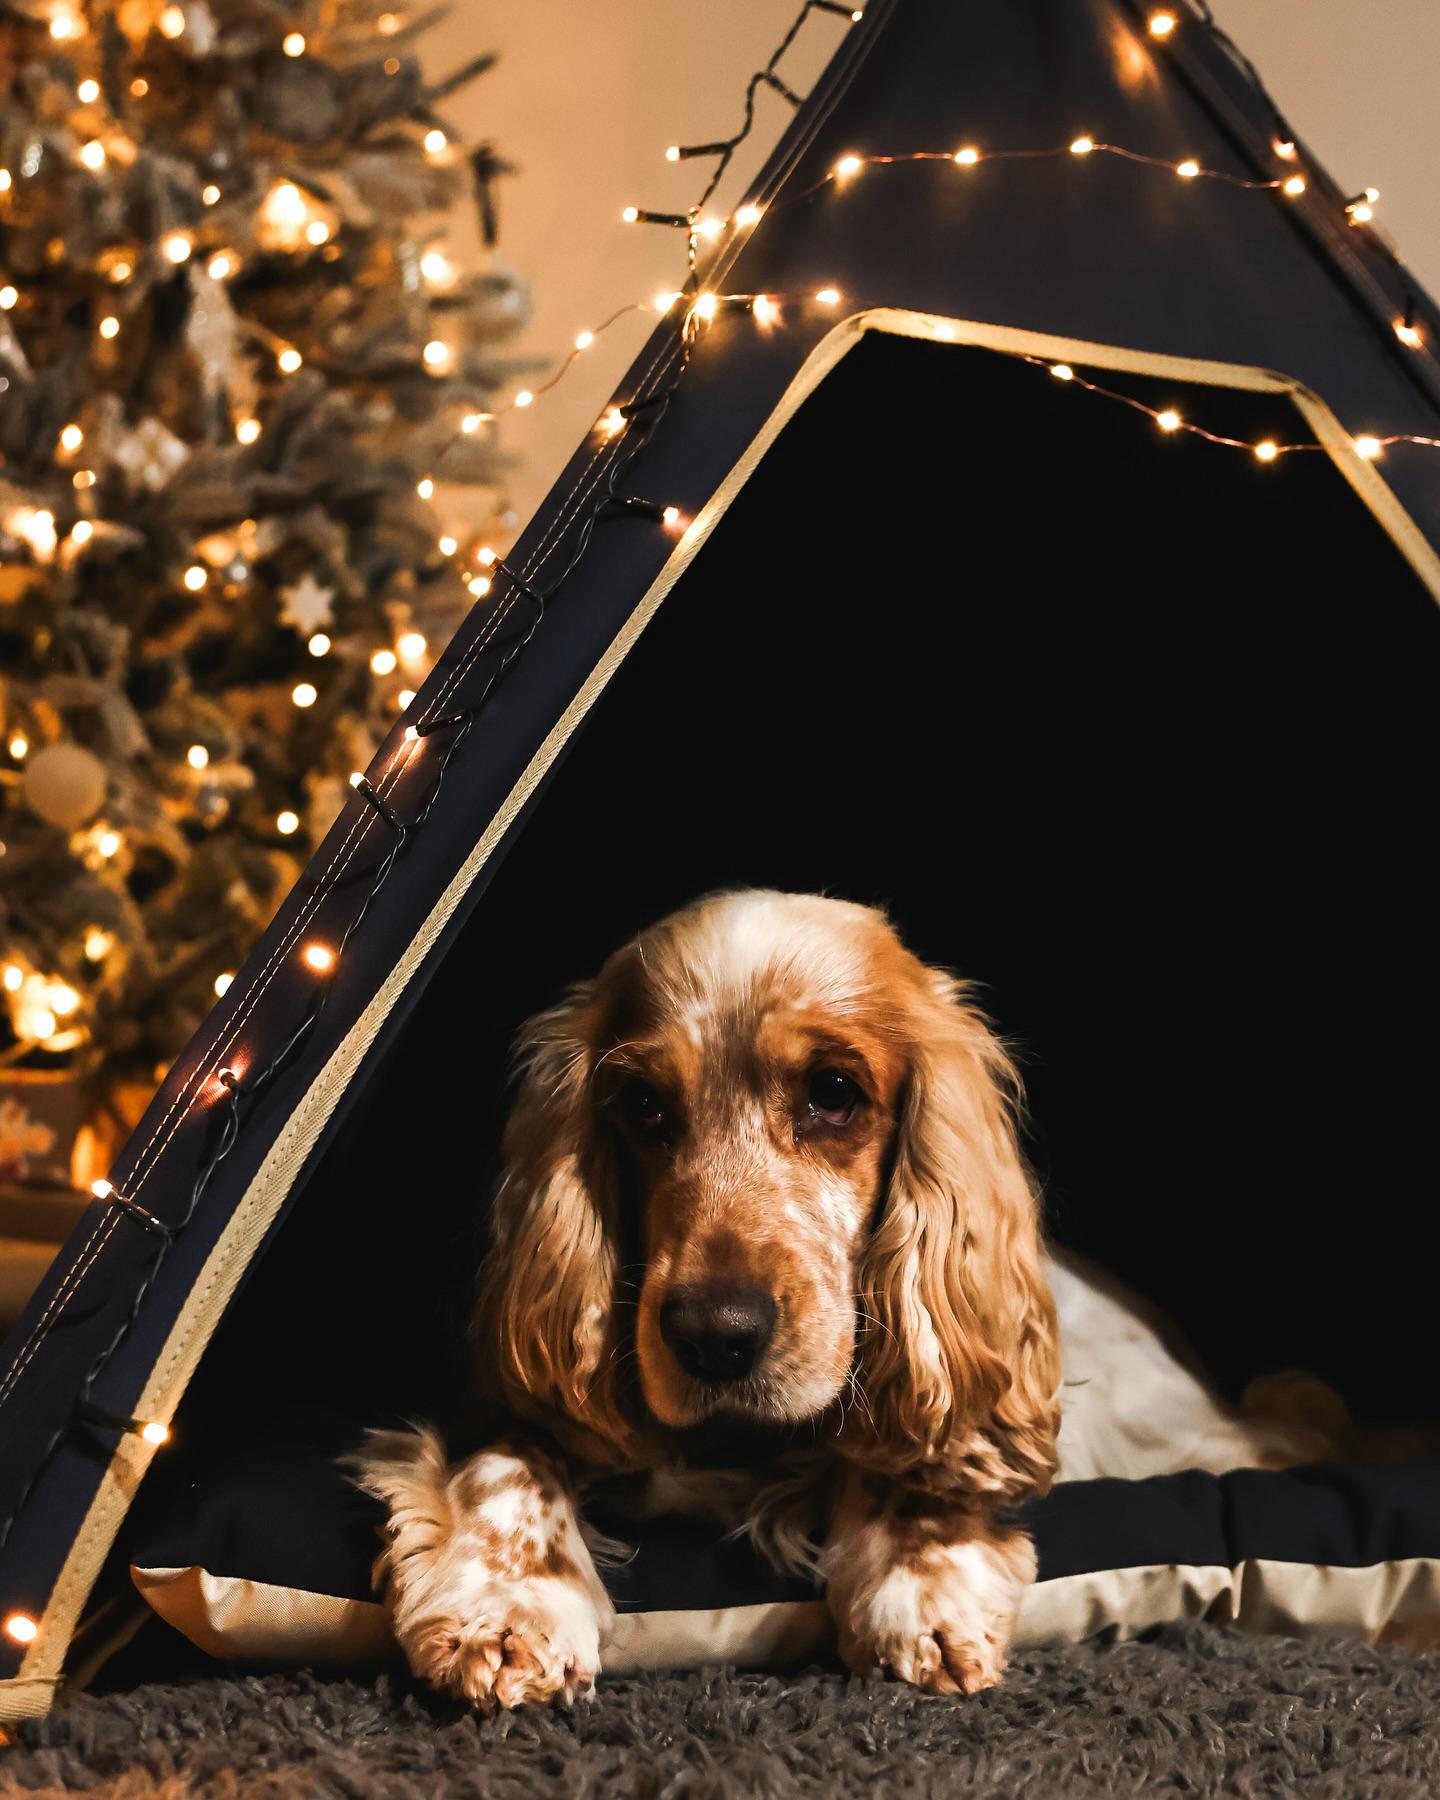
x,y
306,605
64,784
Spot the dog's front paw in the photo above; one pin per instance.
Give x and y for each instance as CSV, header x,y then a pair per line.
x,y
520,1643
941,1620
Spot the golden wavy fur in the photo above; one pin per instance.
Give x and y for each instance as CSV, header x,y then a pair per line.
x,y
762,1175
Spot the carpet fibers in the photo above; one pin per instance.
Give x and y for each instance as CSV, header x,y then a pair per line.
x,y
1189,1710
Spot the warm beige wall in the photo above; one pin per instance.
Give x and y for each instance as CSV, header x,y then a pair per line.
x,y
589,92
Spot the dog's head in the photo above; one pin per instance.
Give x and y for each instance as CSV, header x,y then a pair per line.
x,y
773,1154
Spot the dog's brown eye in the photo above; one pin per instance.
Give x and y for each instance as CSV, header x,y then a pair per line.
x,y
833,1096
643,1106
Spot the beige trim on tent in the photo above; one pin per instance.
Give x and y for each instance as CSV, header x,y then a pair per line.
x,y
31,1690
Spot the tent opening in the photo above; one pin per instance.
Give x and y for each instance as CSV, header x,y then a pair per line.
x,y
1135,730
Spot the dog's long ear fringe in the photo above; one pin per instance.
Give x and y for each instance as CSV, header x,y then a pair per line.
x,y
958,1361
543,1327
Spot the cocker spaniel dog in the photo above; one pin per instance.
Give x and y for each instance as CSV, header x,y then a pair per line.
x,y
763,1206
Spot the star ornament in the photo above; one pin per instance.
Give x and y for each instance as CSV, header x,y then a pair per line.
x,y
306,605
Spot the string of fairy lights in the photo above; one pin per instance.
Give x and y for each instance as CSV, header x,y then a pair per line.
x,y
625,429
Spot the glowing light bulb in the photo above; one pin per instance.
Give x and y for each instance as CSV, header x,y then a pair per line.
x,y
20,1628
287,823
88,92
81,532
446,545
1161,24
479,586
304,694
765,311
6,181
630,214
1295,186
425,487
109,326
293,43
65,25
1408,335
356,777
435,142
671,517
411,734
710,228
198,756
1361,212
63,999
102,1189
195,577
405,699
316,231
486,556
437,354
1284,148
473,421
1187,170
247,430
220,265
19,747
121,269
524,398
847,166
411,645
672,153
382,662
828,296
436,267
172,22
93,155
13,977
1267,450
749,214
1062,371
139,87
71,437
289,360
319,644
1372,194
613,422
210,194
664,301
1082,146
705,307
319,957
153,1432
1169,419
584,340
98,944
177,247
38,1023
8,296
968,157
388,23
83,478
108,844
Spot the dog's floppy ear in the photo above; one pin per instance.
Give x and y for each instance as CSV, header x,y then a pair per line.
x,y
544,1320
958,1364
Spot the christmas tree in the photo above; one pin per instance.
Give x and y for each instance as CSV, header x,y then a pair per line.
x,y
235,360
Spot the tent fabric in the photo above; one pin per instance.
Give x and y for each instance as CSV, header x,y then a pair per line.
x,y
1099,254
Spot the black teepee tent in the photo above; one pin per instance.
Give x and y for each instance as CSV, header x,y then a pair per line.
x,y
1008,583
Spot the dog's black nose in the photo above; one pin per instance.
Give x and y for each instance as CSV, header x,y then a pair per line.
x,y
718,1333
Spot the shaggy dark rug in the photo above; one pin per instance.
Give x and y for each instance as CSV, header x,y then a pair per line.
x,y
1189,1711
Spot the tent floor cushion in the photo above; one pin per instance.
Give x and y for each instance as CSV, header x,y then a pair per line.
x,y
267,1558
1193,1709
